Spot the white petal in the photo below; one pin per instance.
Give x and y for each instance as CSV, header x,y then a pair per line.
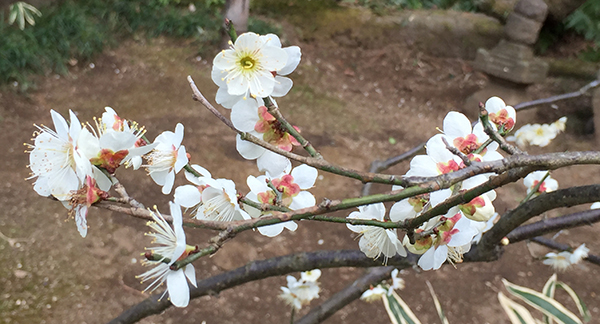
x,y
422,166
179,291
456,125
302,200
244,115
182,159
402,210
247,150
305,176
60,125
272,162
256,186
294,56
190,273
187,196
271,230
282,86
169,181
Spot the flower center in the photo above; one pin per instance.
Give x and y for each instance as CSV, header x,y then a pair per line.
x,y
247,63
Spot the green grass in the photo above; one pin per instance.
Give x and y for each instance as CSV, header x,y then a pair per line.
x,y
81,29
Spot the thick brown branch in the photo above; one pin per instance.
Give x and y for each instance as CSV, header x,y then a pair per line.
x,y
257,270
514,218
551,225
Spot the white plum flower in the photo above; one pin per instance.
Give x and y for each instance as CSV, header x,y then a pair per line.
x,y
248,65
167,158
375,240
290,193
252,117
172,246
56,158
500,115
282,84
110,120
458,132
301,292
558,261
310,275
450,240
579,254
534,178
80,201
190,196
374,294
536,134
220,203
595,205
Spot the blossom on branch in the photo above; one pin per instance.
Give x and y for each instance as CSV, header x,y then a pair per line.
x,y
252,117
290,193
534,178
450,238
503,117
375,240
167,158
80,201
248,65
56,158
220,203
172,246
300,292
190,196
282,84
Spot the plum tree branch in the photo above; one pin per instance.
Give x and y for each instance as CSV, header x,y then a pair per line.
x,y
550,225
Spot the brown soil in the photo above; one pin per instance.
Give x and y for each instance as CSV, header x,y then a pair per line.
x,y
349,101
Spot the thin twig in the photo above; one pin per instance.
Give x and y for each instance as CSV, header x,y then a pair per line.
x,y
549,100
456,152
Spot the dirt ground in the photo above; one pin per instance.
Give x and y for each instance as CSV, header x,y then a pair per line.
x,y
349,101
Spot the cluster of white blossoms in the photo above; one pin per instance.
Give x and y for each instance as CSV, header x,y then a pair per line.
x,y
536,134
448,236
563,260
300,292
74,162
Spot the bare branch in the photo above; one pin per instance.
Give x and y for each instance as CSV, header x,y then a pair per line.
x,y
550,225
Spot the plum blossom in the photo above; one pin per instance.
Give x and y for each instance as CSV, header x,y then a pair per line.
x,y
248,65
220,203
171,245
80,201
300,292
595,205
56,158
558,261
579,254
190,196
282,84
251,116
290,193
374,294
397,283
501,115
110,120
450,240
458,132
167,158
534,178
536,134
375,240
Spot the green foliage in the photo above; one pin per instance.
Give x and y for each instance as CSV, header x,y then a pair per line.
x,y
586,21
80,29
380,6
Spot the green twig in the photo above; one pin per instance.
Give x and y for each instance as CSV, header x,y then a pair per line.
x,y
535,188
274,110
